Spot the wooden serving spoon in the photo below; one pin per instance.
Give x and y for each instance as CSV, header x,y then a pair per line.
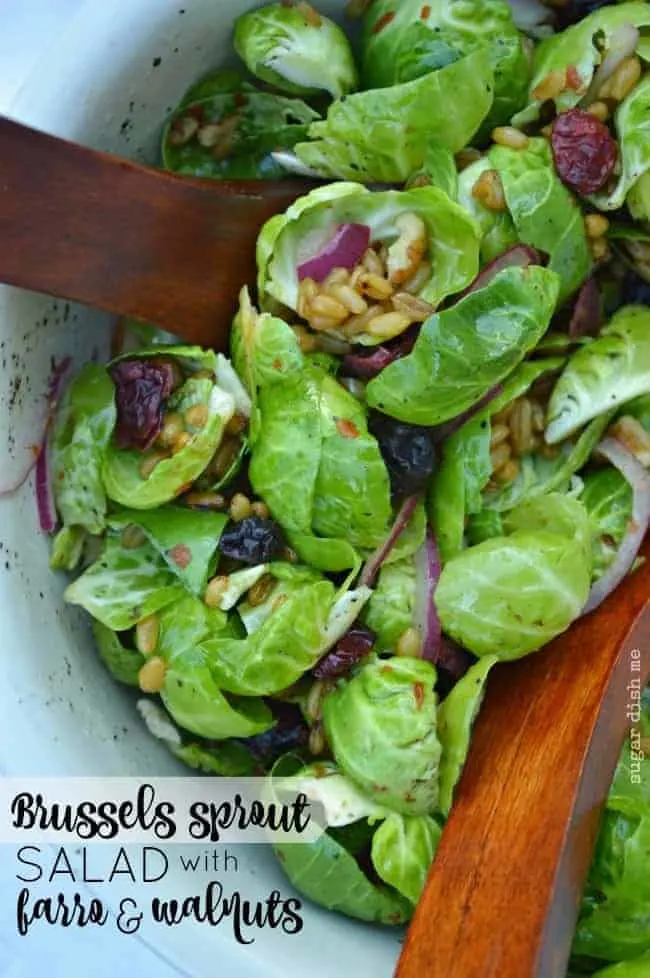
x,y
132,240
502,897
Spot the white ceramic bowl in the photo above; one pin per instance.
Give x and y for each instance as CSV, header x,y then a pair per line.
x,y
109,82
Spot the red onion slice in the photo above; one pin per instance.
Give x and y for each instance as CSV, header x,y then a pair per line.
x,y
344,250
425,616
587,315
376,559
59,371
443,431
639,479
369,366
519,256
44,493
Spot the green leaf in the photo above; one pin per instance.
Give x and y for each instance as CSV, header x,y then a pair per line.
x,y
498,232
276,654
464,351
224,81
325,872
342,803
425,38
384,134
452,237
511,595
456,717
546,215
84,422
607,497
438,170
381,726
403,848
599,377
123,663
390,609
185,538
121,469
638,968
197,704
632,123
465,468
250,126
124,586
67,548
576,47
296,51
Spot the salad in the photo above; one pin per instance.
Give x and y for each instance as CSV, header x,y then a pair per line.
x,y
427,453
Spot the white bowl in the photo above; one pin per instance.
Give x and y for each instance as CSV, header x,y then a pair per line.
x,y
109,82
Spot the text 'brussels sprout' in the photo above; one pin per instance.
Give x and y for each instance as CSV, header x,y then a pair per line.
x,y
461,353
385,134
609,371
296,49
404,39
444,235
381,725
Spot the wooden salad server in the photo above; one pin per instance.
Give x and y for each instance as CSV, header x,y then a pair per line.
x,y
502,897
130,239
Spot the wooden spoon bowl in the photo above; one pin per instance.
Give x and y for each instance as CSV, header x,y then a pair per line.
x,y
503,894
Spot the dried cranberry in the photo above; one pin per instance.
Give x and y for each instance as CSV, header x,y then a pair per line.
x,y
141,388
252,541
576,10
452,663
636,290
408,452
290,733
355,644
584,151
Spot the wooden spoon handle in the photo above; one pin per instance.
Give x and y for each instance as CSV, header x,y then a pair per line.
x,y
504,891
91,227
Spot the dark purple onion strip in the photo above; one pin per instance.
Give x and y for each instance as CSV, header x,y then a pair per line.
x,y
587,315
59,371
443,431
44,495
375,560
632,470
344,250
369,366
425,616
519,256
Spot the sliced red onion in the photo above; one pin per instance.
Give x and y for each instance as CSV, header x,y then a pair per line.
x,y
375,560
519,256
59,371
639,479
622,43
44,494
344,250
425,616
444,431
587,315
369,366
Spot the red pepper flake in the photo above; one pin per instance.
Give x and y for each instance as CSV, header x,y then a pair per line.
x,y
346,428
418,692
277,364
383,22
573,79
180,555
425,13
